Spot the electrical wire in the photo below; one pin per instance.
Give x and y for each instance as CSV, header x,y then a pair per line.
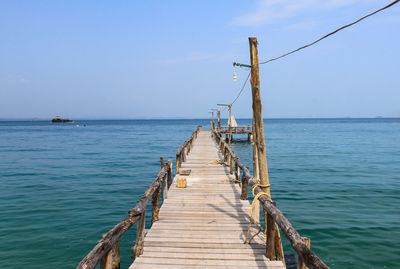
x,y
244,85
331,33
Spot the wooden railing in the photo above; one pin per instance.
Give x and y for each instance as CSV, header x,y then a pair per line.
x,y
239,129
299,244
107,249
184,150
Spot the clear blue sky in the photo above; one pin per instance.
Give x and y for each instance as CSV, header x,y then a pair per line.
x,y
173,59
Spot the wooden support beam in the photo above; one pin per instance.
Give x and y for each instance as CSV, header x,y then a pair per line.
x,y
137,250
184,154
112,259
178,163
155,206
237,170
164,181
165,187
245,187
300,263
230,164
170,174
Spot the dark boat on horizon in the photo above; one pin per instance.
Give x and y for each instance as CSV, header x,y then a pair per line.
x,y
58,119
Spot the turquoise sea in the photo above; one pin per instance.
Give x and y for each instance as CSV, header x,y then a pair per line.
x,y
63,185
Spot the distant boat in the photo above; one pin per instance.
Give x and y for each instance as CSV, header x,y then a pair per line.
x,y
58,119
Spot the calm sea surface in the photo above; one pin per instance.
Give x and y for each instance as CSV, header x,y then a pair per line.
x,y
63,185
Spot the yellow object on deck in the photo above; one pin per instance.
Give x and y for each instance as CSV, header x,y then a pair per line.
x,y
216,162
181,182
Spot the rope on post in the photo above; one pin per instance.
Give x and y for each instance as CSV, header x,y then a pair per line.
x,y
248,238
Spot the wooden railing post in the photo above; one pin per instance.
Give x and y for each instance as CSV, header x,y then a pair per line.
x,y
162,162
178,163
237,170
155,206
245,186
300,263
270,234
230,164
170,174
112,259
164,180
138,248
165,187
225,153
184,154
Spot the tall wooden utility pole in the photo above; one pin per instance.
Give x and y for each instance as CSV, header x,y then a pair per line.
x,y
257,115
274,245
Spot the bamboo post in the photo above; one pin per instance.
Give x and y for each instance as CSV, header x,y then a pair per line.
x,y
260,144
112,259
138,248
300,263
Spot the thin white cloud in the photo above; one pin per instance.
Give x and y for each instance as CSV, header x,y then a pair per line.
x,y
267,11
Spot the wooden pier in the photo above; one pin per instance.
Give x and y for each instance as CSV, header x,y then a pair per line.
x,y
205,215
205,224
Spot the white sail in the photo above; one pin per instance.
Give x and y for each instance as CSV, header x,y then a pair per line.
x,y
232,122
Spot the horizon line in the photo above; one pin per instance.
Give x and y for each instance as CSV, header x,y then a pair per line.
x,y
172,118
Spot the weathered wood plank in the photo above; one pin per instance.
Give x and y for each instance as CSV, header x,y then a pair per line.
x,y
205,224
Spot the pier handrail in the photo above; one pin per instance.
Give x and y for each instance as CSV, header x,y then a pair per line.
x,y
306,255
107,249
185,148
226,128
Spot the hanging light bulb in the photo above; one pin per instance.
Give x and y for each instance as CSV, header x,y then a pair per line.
x,y
234,74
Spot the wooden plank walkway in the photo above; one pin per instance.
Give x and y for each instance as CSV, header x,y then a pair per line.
x,y
205,224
